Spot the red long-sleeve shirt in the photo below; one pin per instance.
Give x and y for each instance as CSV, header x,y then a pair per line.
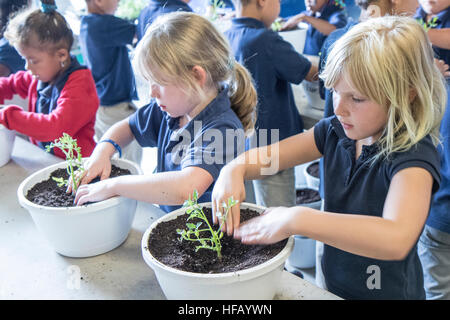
x,y
75,112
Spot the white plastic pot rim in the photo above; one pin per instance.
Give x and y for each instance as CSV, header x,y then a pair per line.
x,y
84,209
245,274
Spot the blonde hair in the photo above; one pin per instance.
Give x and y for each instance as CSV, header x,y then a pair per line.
x,y
176,42
390,61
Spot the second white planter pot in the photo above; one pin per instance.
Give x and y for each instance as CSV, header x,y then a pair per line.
x,y
7,138
82,231
259,282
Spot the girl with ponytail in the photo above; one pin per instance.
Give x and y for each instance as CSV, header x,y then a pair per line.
x,y
203,106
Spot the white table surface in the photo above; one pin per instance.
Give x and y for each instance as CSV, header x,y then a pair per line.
x,y
31,269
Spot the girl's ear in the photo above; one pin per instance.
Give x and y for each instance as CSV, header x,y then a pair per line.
x,y
62,54
200,75
261,3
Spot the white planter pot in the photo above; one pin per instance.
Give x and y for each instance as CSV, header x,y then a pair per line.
x,y
259,282
7,138
311,89
311,181
82,231
295,37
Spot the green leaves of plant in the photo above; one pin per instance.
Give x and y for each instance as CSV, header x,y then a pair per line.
x,y
69,147
194,233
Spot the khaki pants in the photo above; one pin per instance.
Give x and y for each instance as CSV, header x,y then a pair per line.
x,y
108,116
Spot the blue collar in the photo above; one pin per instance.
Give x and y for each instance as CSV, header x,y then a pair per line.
x,y
220,104
45,89
442,16
248,22
350,145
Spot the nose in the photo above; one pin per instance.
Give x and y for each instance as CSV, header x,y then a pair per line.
x,y
338,105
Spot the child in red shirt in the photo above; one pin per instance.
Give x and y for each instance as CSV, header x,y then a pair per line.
x,y
61,93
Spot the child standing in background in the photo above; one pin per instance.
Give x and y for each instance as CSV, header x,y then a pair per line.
x,y
10,60
381,166
156,8
200,94
103,41
434,15
61,93
274,65
323,17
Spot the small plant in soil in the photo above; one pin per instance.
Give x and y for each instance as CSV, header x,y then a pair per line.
x,y
69,147
202,231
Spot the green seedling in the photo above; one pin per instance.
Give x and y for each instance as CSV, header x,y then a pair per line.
x,y
196,232
277,25
69,147
216,4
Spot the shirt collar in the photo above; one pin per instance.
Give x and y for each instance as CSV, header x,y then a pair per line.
x,y
220,104
442,16
248,22
45,89
349,144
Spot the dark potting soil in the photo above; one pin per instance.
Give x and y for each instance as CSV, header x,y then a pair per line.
x,y
165,245
306,195
47,193
313,169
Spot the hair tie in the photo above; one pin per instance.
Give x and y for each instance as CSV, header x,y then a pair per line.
x,y
47,8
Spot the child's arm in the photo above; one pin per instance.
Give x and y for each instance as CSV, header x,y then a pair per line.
x,y
440,37
256,164
18,83
79,92
166,188
321,25
390,237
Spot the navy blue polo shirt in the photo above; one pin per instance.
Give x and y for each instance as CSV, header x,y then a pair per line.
x,y
439,217
439,21
103,41
274,65
156,8
326,48
208,141
10,57
355,187
333,13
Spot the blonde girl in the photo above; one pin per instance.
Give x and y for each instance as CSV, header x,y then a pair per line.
x,y
380,164
199,94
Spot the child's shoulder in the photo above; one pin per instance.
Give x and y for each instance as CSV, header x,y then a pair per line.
x,y
101,19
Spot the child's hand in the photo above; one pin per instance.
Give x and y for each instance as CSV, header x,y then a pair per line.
x,y
229,184
271,226
293,22
443,67
94,192
95,166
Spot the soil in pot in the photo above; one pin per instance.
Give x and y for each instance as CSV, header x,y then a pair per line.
x,y
164,244
47,193
313,169
306,195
